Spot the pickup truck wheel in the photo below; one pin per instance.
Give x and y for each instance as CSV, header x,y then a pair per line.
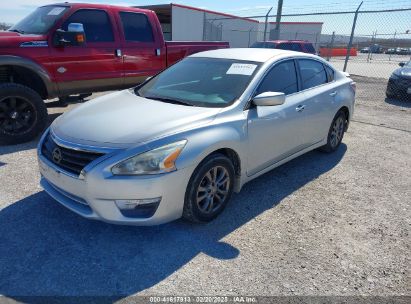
x,y
23,114
209,189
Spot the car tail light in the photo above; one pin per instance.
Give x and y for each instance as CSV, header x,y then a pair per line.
x,y
353,85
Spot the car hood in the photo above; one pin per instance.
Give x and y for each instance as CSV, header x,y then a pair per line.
x,y
12,39
403,72
123,119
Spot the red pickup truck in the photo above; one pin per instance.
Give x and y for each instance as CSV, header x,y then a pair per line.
x,y
65,49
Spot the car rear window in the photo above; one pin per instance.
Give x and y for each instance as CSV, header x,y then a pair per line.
x,y
291,46
309,48
262,45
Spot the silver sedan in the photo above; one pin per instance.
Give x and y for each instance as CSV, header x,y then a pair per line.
x,y
182,142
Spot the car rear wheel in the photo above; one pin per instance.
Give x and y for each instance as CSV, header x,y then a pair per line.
x,y
209,189
336,132
23,114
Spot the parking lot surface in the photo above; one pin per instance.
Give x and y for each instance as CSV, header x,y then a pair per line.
x,y
323,224
377,66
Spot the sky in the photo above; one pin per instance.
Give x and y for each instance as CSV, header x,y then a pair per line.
x,y
387,23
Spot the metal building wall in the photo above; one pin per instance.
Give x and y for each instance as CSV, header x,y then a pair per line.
x,y
198,25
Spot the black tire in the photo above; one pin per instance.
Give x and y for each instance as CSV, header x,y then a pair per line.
x,y
192,208
333,141
23,114
389,95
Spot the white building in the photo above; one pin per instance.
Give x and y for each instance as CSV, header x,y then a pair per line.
x,y
181,22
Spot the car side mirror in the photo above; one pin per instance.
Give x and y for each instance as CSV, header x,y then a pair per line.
x,y
269,99
74,36
401,64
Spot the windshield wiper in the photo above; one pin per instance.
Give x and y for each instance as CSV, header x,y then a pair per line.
x,y
169,100
16,31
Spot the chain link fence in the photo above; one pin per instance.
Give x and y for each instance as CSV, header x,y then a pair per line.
x,y
381,40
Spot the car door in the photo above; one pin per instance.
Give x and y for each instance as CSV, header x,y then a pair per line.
x,y
274,132
143,51
320,92
95,65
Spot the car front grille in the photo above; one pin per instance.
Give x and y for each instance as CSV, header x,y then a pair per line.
x,y
70,160
405,82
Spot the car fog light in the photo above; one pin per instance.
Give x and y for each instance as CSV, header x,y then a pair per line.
x,y
131,204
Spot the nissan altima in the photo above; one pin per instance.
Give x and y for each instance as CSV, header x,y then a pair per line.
x,y
181,143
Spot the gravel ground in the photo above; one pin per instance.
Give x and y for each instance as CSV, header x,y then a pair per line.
x,y
380,65
323,224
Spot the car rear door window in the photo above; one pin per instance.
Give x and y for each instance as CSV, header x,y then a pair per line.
x,y
330,73
281,78
96,23
312,73
136,27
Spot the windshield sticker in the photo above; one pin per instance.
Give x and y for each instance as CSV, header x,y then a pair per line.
x,y
241,69
56,11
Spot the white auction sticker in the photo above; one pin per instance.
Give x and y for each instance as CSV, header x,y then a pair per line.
x,y
241,69
56,11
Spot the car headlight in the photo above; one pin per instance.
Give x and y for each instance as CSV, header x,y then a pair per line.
x,y
160,160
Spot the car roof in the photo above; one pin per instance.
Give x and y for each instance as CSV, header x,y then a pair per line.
x,y
250,54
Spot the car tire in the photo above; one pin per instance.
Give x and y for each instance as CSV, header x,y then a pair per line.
x,y
209,190
336,132
390,95
23,114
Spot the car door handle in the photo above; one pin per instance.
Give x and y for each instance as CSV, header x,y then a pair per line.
x,y
333,93
300,108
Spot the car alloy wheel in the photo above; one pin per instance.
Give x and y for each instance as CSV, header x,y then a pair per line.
x,y
337,131
213,189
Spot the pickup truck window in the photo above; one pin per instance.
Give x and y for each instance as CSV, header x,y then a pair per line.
x,y
136,27
40,21
97,25
203,82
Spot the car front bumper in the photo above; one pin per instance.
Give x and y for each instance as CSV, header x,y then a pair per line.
x,y
94,196
399,87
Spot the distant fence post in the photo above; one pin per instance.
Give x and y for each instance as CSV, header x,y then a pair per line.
x,y
395,41
330,49
249,36
266,23
351,37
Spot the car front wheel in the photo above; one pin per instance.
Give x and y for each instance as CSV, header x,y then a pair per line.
x,y
209,189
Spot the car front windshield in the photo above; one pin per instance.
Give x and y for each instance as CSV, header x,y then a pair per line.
x,y
40,21
203,82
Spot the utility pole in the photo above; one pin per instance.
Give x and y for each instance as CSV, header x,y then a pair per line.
x,y
351,37
266,23
278,19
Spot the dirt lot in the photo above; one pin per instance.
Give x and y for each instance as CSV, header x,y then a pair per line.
x,y
322,224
